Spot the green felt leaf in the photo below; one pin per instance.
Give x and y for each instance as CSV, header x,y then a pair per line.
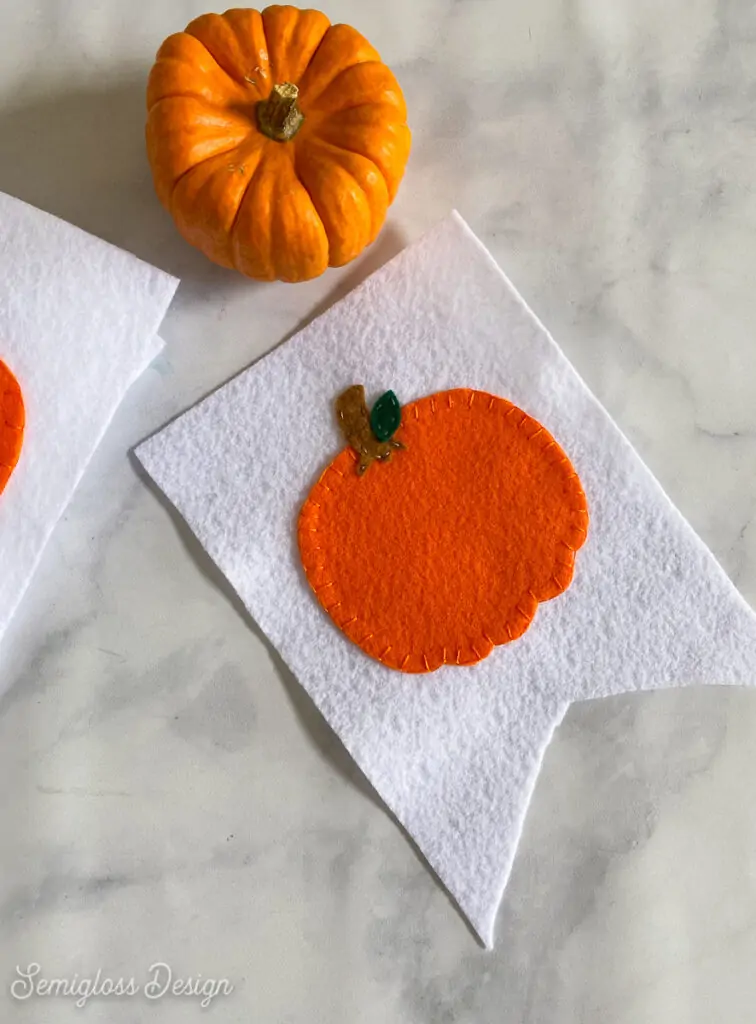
x,y
386,416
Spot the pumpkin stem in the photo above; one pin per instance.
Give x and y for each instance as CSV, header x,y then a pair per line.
x,y
354,420
279,117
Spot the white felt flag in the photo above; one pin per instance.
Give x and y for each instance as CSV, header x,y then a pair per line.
x,y
455,753
78,324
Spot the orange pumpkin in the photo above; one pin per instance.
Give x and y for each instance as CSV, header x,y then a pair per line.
x,y
276,140
12,420
434,551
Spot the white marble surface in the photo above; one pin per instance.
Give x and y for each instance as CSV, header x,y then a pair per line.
x,y
167,793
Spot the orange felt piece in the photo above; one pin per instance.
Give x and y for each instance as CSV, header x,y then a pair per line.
x,y
445,551
12,421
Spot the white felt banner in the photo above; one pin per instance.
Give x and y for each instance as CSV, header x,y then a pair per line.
x,y
454,754
78,323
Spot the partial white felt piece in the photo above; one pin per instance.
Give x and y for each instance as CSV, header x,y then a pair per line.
x,y
454,754
78,324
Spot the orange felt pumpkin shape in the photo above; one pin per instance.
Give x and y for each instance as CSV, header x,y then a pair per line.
x,y
12,421
276,140
436,551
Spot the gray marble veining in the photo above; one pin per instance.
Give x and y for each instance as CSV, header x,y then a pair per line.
x,y
167,792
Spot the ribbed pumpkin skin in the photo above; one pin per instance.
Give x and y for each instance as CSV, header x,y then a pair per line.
x,y
270,209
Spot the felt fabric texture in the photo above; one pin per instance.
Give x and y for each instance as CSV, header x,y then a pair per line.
x,y
78,324
444,552
385,416
12,422
355,423
454,754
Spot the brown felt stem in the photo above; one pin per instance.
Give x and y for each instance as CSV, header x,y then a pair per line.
x,y
354,420
279,117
